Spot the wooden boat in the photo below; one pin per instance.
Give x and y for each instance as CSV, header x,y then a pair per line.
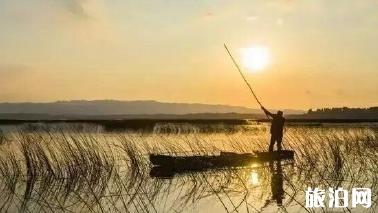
x,y
224,159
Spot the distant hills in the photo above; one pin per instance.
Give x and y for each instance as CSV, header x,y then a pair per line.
x,y
80,109
114,109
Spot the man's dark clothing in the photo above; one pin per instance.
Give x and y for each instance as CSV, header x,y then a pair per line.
x,y
277,125
276,130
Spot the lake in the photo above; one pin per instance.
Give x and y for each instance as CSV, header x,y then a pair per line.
x,y
81,167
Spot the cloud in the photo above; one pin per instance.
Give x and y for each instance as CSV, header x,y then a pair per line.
x,y
83,9
84,21
77,7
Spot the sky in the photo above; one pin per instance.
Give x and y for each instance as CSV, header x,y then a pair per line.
x,y
322,53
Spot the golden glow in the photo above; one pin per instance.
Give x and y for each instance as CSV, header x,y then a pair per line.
x,y
97,41
254,178
255,58
254,165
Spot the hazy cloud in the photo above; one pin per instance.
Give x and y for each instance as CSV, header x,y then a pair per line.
x,y
88,20
76,7
83,8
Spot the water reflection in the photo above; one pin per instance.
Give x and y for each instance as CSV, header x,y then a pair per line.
x,y
277,182
246,184
254,180
66,172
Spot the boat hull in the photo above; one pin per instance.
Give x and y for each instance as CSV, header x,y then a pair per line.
x,y
224,159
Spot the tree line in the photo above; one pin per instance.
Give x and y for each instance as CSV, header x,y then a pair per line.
x,y
343,113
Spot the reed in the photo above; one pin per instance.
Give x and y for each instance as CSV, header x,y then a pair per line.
x,y
59,170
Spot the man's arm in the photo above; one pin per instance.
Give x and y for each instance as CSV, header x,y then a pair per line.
x,y
267,112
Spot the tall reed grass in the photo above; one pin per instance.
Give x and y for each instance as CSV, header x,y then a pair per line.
x,y
73,170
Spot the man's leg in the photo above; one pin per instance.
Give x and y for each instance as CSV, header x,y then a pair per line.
x,y
279,143
272,140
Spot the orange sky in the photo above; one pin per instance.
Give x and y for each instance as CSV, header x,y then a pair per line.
x,y
323,53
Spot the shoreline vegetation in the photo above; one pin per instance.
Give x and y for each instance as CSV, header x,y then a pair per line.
x,y
175,125
343,114
47,171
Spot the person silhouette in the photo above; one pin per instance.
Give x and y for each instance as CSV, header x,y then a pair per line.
x,y
276,128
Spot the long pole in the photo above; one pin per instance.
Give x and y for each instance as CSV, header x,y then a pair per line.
x,y
241,73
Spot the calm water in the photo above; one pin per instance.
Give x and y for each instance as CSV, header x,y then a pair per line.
x,y
82,168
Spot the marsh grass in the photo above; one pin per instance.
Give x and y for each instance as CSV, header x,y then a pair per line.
x,y
75,170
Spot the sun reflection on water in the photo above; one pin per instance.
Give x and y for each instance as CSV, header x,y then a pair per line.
x,y
254,165
254,178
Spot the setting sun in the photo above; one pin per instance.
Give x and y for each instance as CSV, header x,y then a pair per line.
x,y
255,58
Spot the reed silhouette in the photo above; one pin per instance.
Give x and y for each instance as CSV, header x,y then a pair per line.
x,y
59,170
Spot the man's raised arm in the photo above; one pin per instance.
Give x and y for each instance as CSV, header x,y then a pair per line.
x,y
267,112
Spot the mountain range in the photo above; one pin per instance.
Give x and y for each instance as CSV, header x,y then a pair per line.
x,y
116,107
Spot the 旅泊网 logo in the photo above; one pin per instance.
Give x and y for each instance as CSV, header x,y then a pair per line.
x,y
338,198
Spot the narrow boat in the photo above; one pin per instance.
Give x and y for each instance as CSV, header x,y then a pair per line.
x,y
224,159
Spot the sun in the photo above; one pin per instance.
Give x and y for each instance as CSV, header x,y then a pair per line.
x,y
255,58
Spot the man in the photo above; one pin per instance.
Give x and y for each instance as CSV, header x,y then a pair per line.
x,y
276,129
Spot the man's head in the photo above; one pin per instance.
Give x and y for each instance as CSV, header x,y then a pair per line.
x,y
280,113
